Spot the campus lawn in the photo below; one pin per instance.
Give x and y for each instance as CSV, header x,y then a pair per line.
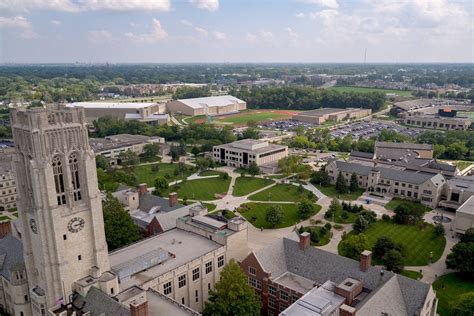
x,y
244,117
418,243
210,207
412,274
282,192
395,202
448,288
145,174
201,189
206,173
366,90
247,185
351,217
255,214
331,192
323,238
463,164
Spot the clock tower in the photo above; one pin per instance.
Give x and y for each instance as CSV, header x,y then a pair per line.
x,y
59,207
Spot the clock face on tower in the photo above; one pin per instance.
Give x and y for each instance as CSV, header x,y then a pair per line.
x,y
75,224
33,226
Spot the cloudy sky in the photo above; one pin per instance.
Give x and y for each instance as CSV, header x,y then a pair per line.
x,y
236,31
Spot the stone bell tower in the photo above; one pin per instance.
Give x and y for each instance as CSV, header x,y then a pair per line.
x,y
59,207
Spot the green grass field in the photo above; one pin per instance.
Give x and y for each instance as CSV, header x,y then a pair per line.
x,y
366,90
210,173
467,114
244,117
338,219
418,243
282,192
247,185
463,164
145,174
4,218
255,214
331,192
323,238
201,189
210,207
448,288
415,275
395,202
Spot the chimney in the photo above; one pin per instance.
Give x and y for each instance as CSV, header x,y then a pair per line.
x,y
365,260
139,308
346,310
305,240
142,188
173,199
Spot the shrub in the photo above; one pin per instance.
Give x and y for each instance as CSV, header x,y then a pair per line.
x,y
328,226
314,236
385,217
338,226
344,215
439,230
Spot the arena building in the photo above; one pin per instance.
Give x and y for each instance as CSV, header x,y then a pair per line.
x,y
218,105
320,116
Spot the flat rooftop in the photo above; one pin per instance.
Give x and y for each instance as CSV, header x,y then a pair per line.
x,y
216,101
111,105
256,146
462,183
323,111
161,305
467,207
295,282
182,246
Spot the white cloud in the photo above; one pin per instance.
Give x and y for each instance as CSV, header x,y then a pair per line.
x,y
324,3
202,32
251,38
291,33
220,36
55,22
210,5
186,22
18,23
300,15
86,5
99,36
266,35
157,34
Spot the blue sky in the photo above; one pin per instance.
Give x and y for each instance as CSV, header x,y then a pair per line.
x,y
236,31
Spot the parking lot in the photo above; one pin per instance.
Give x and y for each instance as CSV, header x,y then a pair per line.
x,y
372,128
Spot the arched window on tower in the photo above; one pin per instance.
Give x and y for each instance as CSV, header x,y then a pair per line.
x,y
76,185
59,180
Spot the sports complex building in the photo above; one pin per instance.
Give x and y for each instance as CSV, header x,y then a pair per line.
x,y
218,105
320,116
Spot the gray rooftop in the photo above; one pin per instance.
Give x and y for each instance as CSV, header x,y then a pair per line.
x,y
98,303
379,145
284,255
11,256
360,154
162,305
467,207
462,183
182,245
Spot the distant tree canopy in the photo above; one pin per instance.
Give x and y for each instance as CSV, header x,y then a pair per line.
x,y
189,92
308,98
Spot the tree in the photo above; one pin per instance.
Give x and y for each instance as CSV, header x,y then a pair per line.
x,y
251,132
405,214
203,163
464,305
461,258
353,246
128,158
161,185
393,261
305,208
439,230
102,162
320,177
354,184
120,230
341,186
314,236
253,169
151,150
274,215
468,235
232,294
195,150
361,224
383,245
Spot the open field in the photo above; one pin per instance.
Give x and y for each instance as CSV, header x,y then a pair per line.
x,y
415,275
463,164
201,189
247,185
242,118
145,174
395,202
351,217
255,214
282,192
467,114
331,192
362,90
418,243
448,288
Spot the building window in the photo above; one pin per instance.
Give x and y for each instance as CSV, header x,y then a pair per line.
x,y
195,274
64,237
283,307
284,296
208,286
271,302
26,298
252,271
208,267
111,290
272,290
59,180
255,283
76,186
167,288
182,300
197,296
182,280
220,261
79,257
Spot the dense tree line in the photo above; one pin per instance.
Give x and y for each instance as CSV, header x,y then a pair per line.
x,y
189,92
307,98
